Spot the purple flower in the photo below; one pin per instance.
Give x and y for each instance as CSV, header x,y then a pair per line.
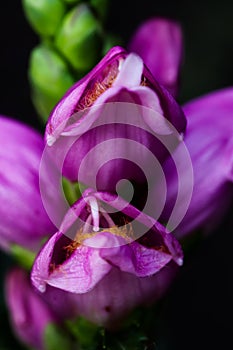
x,y
159,42
104,239
29,314
23,218
118,293
74,131
209,140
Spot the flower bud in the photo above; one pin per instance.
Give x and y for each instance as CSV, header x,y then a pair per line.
x,y
159,42
119,293
209,140
102,250
24,220
44,16
49,77
79,38
29,314
117,119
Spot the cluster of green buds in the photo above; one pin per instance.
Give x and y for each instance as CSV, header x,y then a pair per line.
x,y
72,39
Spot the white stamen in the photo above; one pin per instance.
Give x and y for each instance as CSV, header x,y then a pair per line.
x,y
107,218
50,140
179,261
95,213
42,287
121,61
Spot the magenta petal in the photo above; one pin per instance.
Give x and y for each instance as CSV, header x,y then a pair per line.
x,y
147,258
159,42
131,63
108,147
91,243
78,274
209,140
136,259
24,220
29,314
65,108
85,128
118,293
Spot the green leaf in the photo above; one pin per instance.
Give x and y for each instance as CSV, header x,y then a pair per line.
x,y
56,339
23,256
86,333
72,190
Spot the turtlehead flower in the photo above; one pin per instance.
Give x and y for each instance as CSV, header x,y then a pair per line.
x,y
91,113
24,220
29,314
103,238
209,140
159,42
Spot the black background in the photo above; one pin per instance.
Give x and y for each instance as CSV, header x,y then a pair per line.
x,y
199,308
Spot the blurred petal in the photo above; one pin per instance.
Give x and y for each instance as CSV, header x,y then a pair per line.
x,y
159,42
24,220
119,293
29,314
209,139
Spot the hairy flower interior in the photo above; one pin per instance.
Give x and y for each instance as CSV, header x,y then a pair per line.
x,y
99,221
96,220
101,83
98,86
125,232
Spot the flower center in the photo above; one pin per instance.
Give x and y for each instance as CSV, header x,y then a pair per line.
x,y
99,85
99,221
102,82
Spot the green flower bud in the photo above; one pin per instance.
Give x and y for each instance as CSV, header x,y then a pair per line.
x,y
79,38
43,15
49,78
